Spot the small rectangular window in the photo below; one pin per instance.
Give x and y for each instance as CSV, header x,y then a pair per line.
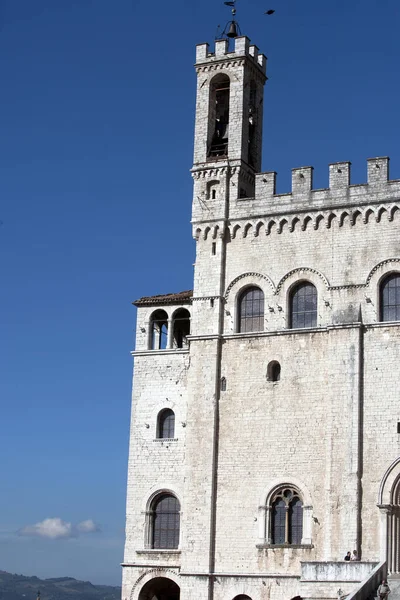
x,y
214,248
398,427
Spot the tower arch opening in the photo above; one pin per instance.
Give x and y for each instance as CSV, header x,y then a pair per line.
x,y
218,124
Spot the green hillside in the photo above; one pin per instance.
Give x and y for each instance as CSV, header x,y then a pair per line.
x,y
19,587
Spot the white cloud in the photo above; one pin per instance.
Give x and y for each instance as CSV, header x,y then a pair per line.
x,y
88,526
53,529
57,529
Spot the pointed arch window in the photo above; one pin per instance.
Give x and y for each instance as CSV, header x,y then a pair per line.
x,y
286,517
390,298
303,306
165,522
251,310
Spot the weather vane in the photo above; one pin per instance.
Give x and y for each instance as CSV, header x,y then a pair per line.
x,y
232,29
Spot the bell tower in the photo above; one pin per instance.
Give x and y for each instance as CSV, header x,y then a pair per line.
x,y
228,131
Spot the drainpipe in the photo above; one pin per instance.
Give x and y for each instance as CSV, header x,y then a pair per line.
x,y
217,388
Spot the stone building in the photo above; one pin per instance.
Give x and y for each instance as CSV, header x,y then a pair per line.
x,y
265,432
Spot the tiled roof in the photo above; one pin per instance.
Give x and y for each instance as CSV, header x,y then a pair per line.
x,y
178,298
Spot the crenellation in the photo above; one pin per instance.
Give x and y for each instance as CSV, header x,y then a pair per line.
x,y
242,48
378,170
254,51
265,184
302,180
221,48
339,175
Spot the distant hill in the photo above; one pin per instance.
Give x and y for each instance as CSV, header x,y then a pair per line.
x,y
19,587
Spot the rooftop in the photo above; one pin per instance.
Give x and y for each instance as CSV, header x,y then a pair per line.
x,y
177,298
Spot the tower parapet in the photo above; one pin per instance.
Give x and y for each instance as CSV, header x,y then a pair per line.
x,y
221,51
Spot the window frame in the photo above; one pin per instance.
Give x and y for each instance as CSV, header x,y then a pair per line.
x,y
291,296
151,522
239,310
164,414
385,280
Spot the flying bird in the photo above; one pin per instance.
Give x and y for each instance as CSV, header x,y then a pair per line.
x,y
229,3
267,12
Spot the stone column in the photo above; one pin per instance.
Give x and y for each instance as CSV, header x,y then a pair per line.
x,y
170,336
385,534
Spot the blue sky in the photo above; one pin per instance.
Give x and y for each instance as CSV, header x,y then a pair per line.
x,y
97,115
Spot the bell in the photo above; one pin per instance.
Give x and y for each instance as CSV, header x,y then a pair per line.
x,y
232,33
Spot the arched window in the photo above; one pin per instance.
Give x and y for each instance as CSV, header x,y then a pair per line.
x,y
286,517
159,330
303,306
390,298
181,327
165,522
251,310
274,371
166,424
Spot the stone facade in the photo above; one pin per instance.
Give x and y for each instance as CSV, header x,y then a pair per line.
x,y
327,428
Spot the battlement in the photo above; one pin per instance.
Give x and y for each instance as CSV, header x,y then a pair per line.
x,y
242,49
339,180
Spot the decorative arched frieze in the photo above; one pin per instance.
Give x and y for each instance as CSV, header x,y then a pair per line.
x,y
295,221
392,212
152,574
235,230
354,216
367,214
380,212
384,267
330,219
300,272
318,219
247,228
215,232
259,227
252,276
307,219
281,225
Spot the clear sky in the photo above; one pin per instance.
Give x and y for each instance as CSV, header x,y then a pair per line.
x,y
97,112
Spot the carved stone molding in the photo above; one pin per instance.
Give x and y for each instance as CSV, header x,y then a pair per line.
x,y
158,570
301,270
387,261
252,275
